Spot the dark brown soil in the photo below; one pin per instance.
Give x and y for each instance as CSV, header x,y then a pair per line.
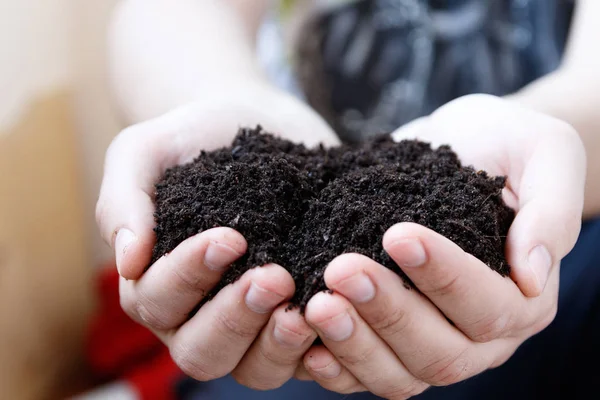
x,y
300,208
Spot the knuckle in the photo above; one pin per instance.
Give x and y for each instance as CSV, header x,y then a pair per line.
x,y
188,280
443,287
290,337
389,322
405,391
141,310
148,317
448,370
191,365
488,328
234,327
356,359
278,357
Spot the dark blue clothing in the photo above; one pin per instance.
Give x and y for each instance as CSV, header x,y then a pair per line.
x,y
373,65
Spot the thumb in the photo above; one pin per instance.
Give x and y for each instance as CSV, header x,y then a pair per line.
x,y
125,219
124,212
135,161
548,221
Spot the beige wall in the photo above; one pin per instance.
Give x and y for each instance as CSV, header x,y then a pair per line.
x,y
56,121
45,278
96,118
34,52
47,46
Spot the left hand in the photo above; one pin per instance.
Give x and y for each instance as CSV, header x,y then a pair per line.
x,y
394,342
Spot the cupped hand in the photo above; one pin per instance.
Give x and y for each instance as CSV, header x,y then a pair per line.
x,y
244,329
380,337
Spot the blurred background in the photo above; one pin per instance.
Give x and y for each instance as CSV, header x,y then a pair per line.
x,y
56,121
57,118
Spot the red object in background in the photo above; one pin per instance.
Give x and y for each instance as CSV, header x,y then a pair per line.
x,y
120,350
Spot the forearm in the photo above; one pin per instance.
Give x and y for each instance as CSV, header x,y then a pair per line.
x,y
572,94
166,53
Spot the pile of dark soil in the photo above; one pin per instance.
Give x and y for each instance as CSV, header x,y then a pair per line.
x,y
300,208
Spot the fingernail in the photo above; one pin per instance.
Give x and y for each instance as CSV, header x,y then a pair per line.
x,y
219,256
288,338
330,371
358,288
338,328
260,300
540,262
123,240
411,252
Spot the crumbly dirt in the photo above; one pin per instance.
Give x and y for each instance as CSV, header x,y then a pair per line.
x,y
300,208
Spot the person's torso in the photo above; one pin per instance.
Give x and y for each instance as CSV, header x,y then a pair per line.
x,y
369,66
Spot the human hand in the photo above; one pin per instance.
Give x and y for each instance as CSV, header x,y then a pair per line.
x,y
394,342
244,329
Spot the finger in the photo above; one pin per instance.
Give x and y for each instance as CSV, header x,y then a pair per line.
x,y
479,301
327,371
302,374
551,192
274,356
359,348
124,212
212,343
135,161
166,294
130,235
407,321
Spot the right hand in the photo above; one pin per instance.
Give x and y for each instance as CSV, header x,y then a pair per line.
x,y
244,330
